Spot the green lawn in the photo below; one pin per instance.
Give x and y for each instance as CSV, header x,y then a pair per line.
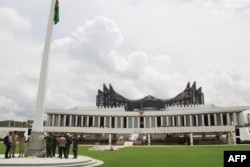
x,y
181,156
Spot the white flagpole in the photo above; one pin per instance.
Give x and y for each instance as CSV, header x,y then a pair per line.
x,y
42,87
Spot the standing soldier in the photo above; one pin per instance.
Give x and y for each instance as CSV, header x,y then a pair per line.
x,y
75,145
13,145
67,145
48,146
21,140
53,145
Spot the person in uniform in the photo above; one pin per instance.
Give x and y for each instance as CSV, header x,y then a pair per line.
x,y
21,145
13,145
48,140
53,145
75,142
67,145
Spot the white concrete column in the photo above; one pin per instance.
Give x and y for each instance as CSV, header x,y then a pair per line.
x,y
104,121
93,121
161,120
87,121
155,121
221,119
127,122
215,119
116,122
208,119
133,122
179,120
144,122
150,122
110,139
82,120
185,120
167,120
202,120
138,122
228,119
173,121
235,119
240,119
70,120
190,120
121,122
98,121
76,120
191,139
149,140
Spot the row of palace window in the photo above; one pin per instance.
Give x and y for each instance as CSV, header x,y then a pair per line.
x,y
218,119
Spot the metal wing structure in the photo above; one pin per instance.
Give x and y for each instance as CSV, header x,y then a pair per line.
x,y
109,98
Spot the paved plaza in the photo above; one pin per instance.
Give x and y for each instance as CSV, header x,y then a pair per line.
x,y
55,161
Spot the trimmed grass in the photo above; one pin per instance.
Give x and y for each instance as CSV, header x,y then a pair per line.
x,y
196,156
179,156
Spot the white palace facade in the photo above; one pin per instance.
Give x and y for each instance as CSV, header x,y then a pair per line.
x,y
178,120
182,119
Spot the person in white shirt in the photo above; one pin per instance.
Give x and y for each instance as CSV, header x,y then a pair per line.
x,y
62,146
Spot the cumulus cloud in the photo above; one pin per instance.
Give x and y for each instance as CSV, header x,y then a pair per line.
x,y
18,76
101,32
8,108
228,7
146,48
12,20
228,85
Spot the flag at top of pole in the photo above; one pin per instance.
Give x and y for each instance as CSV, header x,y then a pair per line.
x,y
56,12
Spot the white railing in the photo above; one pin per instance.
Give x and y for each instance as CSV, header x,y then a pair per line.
x,y
101,109
190,106
157,130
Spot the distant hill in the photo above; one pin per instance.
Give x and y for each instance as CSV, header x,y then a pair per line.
x,y
12,123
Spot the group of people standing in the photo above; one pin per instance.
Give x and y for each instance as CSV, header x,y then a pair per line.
x,y
63,142
10,142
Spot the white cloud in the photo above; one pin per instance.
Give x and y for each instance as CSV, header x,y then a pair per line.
x,y
8,104
9,108
101,32
140,48
228,7
227,85
12,20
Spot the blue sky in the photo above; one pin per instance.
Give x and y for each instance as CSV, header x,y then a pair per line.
x,y
140,47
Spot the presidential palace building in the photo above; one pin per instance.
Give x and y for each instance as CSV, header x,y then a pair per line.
x,y
183,119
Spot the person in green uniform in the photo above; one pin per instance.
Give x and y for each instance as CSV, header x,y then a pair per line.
x,y
75,142
48,140
67,145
